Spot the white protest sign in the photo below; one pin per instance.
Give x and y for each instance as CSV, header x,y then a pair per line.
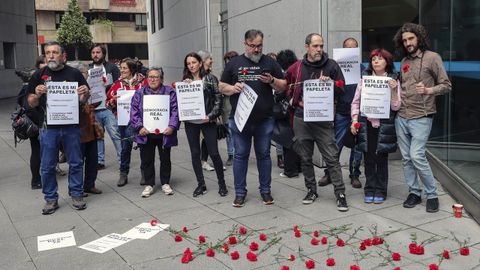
x,y
97,85
106,243
123,106
62,103
317,100
145,230
156,112
55,240
349,61
191,105
245,104
375,98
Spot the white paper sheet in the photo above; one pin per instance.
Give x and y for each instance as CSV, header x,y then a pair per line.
x,y
97,85
55,240
123,106
156,112
62,103
349,61
106,243
375,98
145,230
317,100
191,103
245,105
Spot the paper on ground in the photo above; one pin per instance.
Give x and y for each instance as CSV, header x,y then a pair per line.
x,y
106,243
55,240
145,230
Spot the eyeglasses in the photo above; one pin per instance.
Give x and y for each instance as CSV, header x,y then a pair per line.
x,y
153,78
253,46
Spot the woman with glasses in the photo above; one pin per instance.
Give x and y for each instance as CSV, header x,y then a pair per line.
x,y
194,71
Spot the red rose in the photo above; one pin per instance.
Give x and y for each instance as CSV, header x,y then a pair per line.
x,y
446,255
202,239
315,233
354,267
251,256
291,258
396,256
225,247
412,248
297,234
263,237
405,68
464,251
314,241
340,243
210,252
234,255
173,85
185,230
368,241
339,83
253,246
324,240
362,246
357,125
419,250
330,262
157,131
310,264
284,267
433,267
232,240
178,238
242,230
153,222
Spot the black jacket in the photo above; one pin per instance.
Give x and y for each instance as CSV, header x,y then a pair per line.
x,y
212,97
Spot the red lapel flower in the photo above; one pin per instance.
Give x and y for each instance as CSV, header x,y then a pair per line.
x,y
291,258
340,243
185,230
234,255
433,267
354,267
252,256
242,230
405,68
314,241
330,262
324,240
263,237
310,264
253,246
446,255
178,238
232,240
284,267
157,131
202,239
339,83
153,222
316,234
357,125
396,256
225,247
464,251
210,252
173,85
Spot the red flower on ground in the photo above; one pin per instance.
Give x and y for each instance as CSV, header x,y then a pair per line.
x,y
362,246
185,230
368,241
234,255
314,241
284,267
376,240
330,262
324,240
153,222
185,259
157,131
297,234
405,68
354,267
253,246
396,256
419,250
310,264
251,256
202,239
225,247
232,240
178,238
242,230
412,248
316,234
295,228
210,252
45,78
446,255
357,125
291,258
173,85
433,267
263,237
397,268
340,243
187,256
464,251
339,83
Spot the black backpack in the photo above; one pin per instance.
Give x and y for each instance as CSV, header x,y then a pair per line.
x,y
23,127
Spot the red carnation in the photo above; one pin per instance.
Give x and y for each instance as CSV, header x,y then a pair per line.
x,y
210,252
157,131
330,262
433,267
368,241
202,239
284,267
185,259
45,78
232,240
291,258
362,246
178,238
446,255
464,251
187,256
173,85
153,222
354,267
295,228
252,256
339,83
234,255
310,264
263,237
419,250
185,230
397,268
297,234
396,256
104,79
357,125
324,240
242,230
340,243
314,241
225,247
376,240
253,246
316,234
405,68
412,248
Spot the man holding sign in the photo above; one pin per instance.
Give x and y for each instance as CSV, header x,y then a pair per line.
x,y
261,74
313,81
61,126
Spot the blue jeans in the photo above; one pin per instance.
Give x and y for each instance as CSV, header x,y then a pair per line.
x,y
412,136
107,121
262,135
126,152
342,126
50,140
229,141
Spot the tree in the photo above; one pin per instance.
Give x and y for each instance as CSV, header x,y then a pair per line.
x,y
73,28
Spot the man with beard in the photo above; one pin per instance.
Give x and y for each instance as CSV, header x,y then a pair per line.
x,y
51,136
422,78
105,117
262,74
316,65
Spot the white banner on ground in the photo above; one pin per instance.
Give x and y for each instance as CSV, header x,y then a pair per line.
x,y
55,240
191,104
317,100
106,243
375,98
145,230
62,103
123,106
97,85
245,105
156,112
349,61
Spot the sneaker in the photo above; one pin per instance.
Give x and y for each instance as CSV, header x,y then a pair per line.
x,y
310,198
412,200
224,168
229,160
378,199
122,180
147,191
207,167
342,205
78,203
325,180
287,176
368,199
167,189
50,207
239,201
223,191
355,182
93,190
432,205
36,185
200,190
267,198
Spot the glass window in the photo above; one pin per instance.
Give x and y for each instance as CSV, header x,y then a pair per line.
x,y
9,55
140,22
58,19
152,15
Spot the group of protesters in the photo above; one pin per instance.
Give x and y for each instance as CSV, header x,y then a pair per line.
x,y
271,79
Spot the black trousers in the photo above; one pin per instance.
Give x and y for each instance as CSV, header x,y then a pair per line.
x,y
148,161
204,151
209,131
291,161
376,166
89,152
35,161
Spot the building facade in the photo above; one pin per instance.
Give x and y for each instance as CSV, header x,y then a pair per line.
x,y
125,37
17,43
178,27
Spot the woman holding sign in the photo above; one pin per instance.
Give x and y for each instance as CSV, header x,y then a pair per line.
x,y
130,79
194,71
374,122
